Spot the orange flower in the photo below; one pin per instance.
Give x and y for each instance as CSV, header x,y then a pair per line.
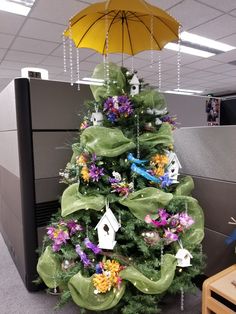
x,y
159,171
101,283
81,160
160,159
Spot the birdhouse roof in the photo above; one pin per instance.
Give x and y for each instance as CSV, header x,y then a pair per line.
x,y
182,253
134,80
111,218
172,156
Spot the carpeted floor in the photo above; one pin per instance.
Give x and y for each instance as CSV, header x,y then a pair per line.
x,y
15,299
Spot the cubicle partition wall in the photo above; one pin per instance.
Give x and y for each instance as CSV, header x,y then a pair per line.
x,y
38,123
208,154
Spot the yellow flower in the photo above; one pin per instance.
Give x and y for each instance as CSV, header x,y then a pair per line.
x,y
159,159
85,174
159,171
81,160
101,283
112,266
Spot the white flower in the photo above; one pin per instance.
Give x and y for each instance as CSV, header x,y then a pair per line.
x,y
116,175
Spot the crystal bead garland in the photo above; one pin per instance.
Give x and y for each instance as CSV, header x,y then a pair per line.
x,y
178,61
151,43
132,64
181,299
107,55
64,53
78,67
162,250
138,140
159,73
71,56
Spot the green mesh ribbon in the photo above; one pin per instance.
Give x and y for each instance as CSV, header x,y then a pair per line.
x,y
146,202
82,292
72,200
48,268
152,99
116,78
195,234
105,142
148,286
163,136
185,186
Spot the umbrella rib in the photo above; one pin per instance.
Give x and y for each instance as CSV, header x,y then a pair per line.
x,y
131,47
101,17
104,46
147,29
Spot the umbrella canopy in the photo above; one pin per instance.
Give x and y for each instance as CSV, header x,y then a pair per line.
x,y
132,26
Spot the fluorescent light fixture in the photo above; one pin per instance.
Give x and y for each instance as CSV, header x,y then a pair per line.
x,y
16,7
191,51
91,79
89,83
188,90
205,42
177,92
34,73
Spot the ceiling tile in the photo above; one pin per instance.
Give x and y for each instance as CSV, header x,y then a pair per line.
x,y
220,27
222,68
5,40
184,59
57,11
226,5
204,64
230,40
53,61
33,45
183,12
15,65
2,53
83,52
21,56
225,57
10,23
9,73
164,4
233,12
199,74
42,30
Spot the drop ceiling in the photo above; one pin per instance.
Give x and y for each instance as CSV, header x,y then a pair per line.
x,y
36,41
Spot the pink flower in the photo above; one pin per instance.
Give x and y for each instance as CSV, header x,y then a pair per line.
x,y
148,219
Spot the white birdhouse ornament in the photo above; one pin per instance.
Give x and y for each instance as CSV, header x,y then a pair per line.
x,y
134,85
107,228
184,258
97,118
173,166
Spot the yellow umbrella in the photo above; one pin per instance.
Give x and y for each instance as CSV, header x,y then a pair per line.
x,y
132,26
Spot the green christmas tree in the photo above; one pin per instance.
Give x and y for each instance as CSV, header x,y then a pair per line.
x,y
127,228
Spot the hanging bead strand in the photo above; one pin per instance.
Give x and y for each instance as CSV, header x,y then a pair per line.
x,y
107,56
71,56
159,73
78,67
138,134
181,299
151,43
178,61
64,53
132,64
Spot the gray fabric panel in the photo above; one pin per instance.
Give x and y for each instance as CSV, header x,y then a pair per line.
x,y
218,201
48,189
8,108
52,150
9,154
207,151
57,105
219,254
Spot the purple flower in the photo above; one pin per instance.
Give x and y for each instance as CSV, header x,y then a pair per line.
x,y
113,180
185,220
99,268
112,117
170,236
73,227
85,260
95,172
50,232
92,246
165,181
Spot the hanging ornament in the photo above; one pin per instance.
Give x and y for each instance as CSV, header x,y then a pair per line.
x,y
66,264
134,85
97,117
107,228
183,257
173,166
